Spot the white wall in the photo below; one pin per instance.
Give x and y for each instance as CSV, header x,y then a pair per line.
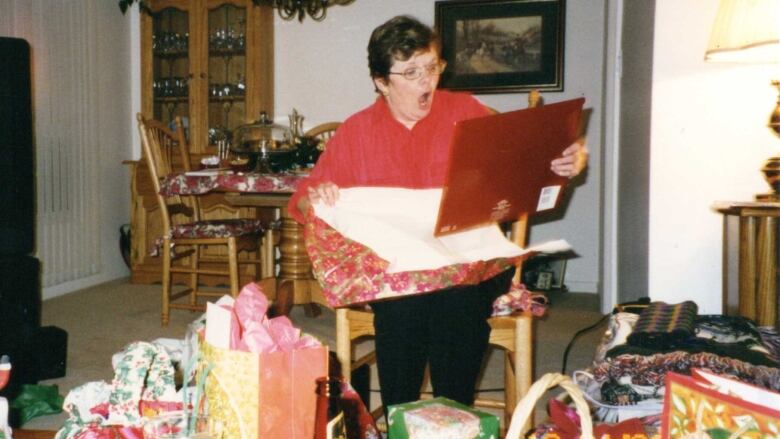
x,y
709,139
321,70
632,166
114,134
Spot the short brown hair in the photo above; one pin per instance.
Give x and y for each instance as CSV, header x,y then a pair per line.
x,y
398,39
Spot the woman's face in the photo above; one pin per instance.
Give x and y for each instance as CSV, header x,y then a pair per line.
x,y
410,100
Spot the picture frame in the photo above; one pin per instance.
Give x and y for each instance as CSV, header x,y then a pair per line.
x,y
545,272
501,46
559,272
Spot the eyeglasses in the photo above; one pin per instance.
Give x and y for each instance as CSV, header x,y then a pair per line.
x,y
413,73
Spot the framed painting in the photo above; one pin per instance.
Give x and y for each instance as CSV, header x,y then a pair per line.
x,y
502,46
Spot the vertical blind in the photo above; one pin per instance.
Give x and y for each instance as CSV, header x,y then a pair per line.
x,y
62,34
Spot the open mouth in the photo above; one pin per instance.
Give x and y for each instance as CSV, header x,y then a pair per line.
x,y
425,99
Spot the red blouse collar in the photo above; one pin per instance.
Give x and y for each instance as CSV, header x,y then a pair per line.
x,y
383,113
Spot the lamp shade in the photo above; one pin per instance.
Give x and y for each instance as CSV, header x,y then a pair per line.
x,y
746,31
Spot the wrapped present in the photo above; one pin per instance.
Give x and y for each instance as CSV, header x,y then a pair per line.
x,y
378,243
261,372
440,418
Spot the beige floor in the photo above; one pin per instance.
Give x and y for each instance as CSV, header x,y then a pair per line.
x,y
102,320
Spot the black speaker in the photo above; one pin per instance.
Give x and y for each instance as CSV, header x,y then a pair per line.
x,y
49,352
20,297
17,214
20,317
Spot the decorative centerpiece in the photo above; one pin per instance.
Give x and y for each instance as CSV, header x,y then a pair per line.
x,y
267,145
274,148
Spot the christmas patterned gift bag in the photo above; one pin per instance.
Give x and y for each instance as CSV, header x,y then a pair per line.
x,y
262,371
711,405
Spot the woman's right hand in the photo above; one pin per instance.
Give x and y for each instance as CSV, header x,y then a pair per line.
x,y
326,193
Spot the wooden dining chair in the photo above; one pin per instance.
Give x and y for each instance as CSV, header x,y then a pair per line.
x,y
323,131
186,233
513,334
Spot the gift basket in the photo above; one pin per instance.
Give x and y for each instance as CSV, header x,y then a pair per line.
x,y
526,406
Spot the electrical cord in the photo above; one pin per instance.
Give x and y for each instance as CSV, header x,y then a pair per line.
x,y
576,335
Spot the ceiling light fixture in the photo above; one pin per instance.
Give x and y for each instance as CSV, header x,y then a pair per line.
x,y
316,9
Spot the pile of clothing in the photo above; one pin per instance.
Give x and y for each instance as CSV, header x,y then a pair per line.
x,y
628,375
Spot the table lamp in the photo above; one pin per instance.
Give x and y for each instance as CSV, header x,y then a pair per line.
x,y
748,31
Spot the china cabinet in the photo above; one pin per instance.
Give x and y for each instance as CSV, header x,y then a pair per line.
x,y
211,63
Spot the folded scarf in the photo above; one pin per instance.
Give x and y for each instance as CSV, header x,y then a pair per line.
x,y
664,325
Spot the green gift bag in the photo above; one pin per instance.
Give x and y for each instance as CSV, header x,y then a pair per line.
x,y
440,418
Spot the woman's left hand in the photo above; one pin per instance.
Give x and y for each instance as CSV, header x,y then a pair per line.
x,y
572,161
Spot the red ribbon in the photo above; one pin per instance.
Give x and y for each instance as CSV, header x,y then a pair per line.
x,y
567,424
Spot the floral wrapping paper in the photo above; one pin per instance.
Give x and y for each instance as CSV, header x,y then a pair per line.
x,y
144,373
183,183
143,386
351,273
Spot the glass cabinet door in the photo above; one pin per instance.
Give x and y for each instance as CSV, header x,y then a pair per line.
x,y
170,65
227,71
208,61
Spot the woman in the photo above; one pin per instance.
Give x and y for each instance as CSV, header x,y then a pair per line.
x,y
402,140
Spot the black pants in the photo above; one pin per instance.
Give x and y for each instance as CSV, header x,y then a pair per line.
x,y
447,329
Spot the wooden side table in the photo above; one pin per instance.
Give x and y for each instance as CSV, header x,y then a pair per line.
x,y
757,257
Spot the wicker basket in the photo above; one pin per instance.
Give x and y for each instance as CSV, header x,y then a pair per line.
x,y
526,405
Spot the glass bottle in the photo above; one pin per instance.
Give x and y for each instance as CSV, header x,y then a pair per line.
x,y
263,164
329,422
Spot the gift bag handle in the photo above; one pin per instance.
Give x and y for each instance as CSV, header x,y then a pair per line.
x,y
526,405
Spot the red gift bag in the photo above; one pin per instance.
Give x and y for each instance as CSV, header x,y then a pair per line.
x,y
264,395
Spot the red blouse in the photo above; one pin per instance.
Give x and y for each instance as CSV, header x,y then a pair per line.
x,y
371,148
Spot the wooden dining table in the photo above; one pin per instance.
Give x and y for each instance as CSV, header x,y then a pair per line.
x,y
293,282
